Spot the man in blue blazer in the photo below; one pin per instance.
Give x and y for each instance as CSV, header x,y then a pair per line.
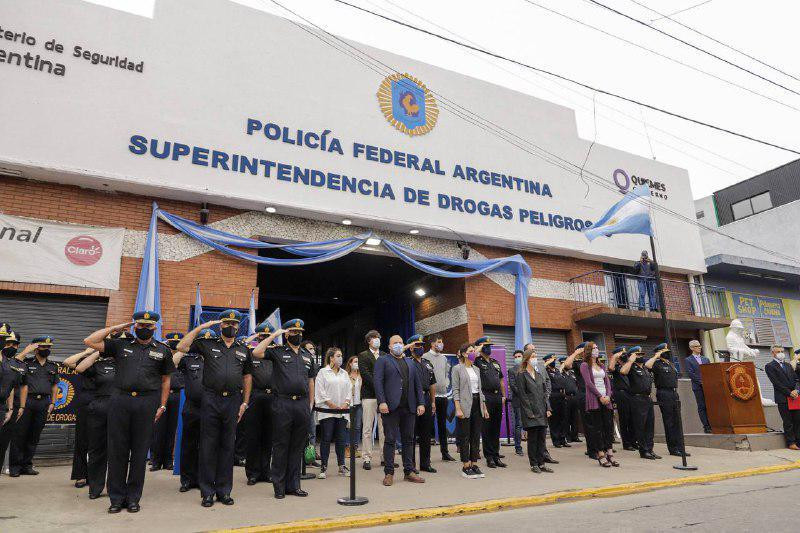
x,y
693,363
399,392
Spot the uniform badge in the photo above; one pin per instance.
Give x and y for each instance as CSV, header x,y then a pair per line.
x,y
158,356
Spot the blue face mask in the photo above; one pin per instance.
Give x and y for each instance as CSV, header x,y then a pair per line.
x,y
397,348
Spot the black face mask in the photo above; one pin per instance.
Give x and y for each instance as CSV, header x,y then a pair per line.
x,y
43,353
665,356
144,334
295,339
9,352
418,351
486,349
229,331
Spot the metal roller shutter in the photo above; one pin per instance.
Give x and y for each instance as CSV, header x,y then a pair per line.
x,y
68,319
546,341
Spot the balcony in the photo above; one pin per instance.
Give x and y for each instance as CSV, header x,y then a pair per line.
x,y
613,298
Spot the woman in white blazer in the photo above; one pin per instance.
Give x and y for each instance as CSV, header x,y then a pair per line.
x,y
470,410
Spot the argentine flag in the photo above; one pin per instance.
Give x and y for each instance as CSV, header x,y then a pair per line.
x,y
274,320
629,215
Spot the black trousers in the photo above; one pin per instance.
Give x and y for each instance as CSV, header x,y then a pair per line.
x,y
441,423
536,446
490,432
97,437
642,418
700,397
791,424
668,404
398,425
582,417
130,428
468,432
81,449
623,401
218,435
163,447
259,436
572,415
423,430
291,419
599,429
7,431
27,432
558,418
240,445
190,443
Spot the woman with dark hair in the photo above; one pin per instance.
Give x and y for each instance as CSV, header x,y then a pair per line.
x,y
599,409
534,409
332,390
470,410
355,380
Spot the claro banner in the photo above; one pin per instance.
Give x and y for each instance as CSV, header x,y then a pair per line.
x,y
38,251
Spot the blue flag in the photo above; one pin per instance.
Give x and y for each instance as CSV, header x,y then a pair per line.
x,y
251,316
148,297
198,309
274,320
629,215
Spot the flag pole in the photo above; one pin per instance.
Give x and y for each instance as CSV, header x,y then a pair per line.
x,y
662,302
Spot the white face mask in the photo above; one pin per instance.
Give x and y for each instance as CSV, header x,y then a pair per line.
x,y
534,360
375,343
397,348
518,360
337,359
780,356
439,346
354,365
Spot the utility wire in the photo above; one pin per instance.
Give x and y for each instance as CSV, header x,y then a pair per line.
x,y
726,45
510,137
690,45
565,78
659,54
684,10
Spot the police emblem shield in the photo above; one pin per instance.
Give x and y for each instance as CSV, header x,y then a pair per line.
x,y
407,104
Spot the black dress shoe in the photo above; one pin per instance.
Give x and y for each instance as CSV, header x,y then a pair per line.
x,y
30,472
133,508
184,488
500,463
225,499
655,455
154,468
548,459
93,496
629,448
279,495
367,465
252,481
566,445
169,466
501,456
558,445
576,439
114,508
238,462
447,457
80,484
648,455
298,492
679,454
208,501
430,469
13,474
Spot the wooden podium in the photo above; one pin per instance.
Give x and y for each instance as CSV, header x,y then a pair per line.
x,y
733,399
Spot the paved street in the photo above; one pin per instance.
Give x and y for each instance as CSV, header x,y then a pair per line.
x,y
758,503
48,502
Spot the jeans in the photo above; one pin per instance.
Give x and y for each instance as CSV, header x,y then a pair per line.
x,y
333,429
517,428
358,423
647,286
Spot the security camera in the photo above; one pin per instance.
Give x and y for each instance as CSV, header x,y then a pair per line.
x,y
465,249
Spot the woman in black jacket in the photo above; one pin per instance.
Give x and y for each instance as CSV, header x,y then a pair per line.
x,y
534,408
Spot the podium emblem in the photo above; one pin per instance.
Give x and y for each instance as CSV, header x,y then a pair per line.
x,y
741,383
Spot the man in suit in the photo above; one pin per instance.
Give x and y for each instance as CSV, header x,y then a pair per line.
x,y
693,363
784,382
398,390
369,405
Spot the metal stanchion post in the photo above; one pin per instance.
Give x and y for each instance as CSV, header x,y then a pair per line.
x,y
303,473
683,465
509,429
352,499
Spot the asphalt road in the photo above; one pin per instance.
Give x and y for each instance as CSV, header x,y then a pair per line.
x,y
760,503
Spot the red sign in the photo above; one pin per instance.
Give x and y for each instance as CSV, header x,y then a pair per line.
x,y
83,250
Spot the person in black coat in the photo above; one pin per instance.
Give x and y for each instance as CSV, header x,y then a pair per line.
x,y
785,383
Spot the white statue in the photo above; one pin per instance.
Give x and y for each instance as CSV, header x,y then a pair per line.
x,y
740,351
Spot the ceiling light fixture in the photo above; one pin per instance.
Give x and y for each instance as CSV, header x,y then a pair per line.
x,y
270,209
347,222
420,292
373,241
414,231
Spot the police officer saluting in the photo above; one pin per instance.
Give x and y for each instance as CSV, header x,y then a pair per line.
x,y
13,389
494,390
558,402
143,366
191,366
293,373
620,385
43,380
424,424
259,432
666,379
163,446
226,393
642,416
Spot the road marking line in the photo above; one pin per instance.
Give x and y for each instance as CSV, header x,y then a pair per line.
x,y
396,517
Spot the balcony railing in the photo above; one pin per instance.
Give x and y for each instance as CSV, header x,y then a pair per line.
x,y
626,291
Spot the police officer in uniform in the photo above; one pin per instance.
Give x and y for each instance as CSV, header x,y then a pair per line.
x,y
293,373
161,451
620,386
493,385
642,417
259,431
13,389
191,366
571,407
665,376
226,393
423,428
141,382
573,363
42,388
99,372
558,403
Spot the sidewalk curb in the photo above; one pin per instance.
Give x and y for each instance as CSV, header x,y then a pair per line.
x,y
396,517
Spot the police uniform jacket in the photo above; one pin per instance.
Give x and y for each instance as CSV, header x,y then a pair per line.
x,y
101,377
22,376
427,377
41,377
665,375
139,367
10,380
262,375
491,374
290,371
640,379
224,366
191,366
